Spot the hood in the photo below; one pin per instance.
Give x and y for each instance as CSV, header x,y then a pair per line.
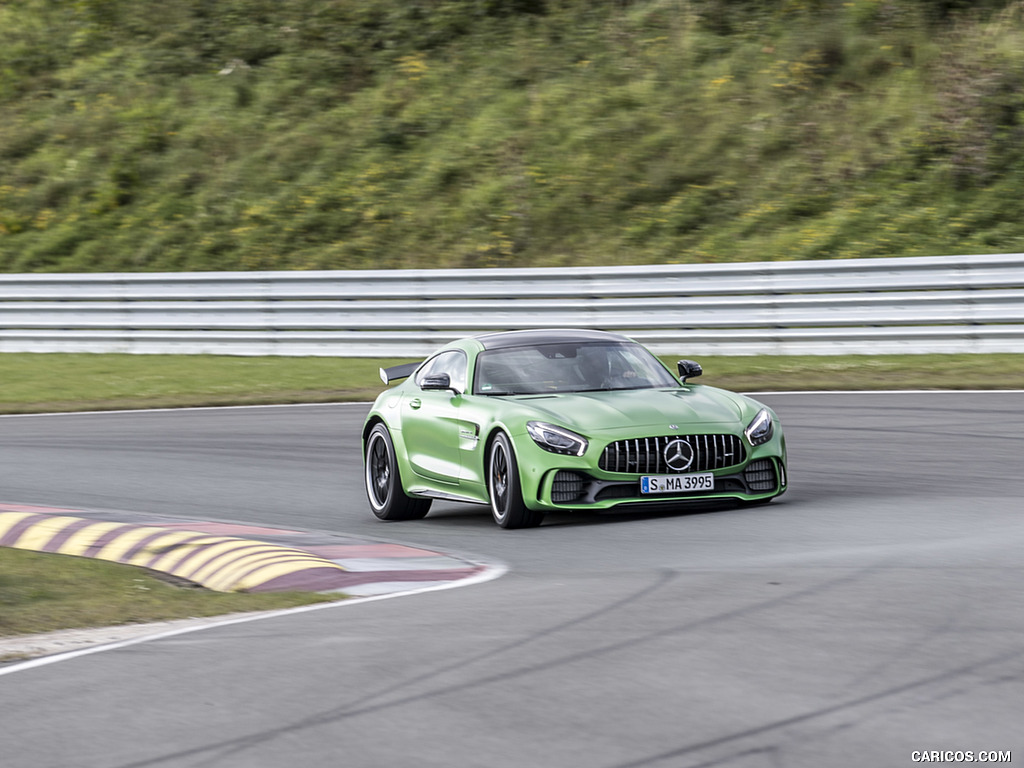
x,y
693,407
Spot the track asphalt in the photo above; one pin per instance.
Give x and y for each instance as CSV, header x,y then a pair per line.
x,y
230,557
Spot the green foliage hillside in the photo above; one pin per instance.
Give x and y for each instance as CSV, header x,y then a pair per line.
x,y
141,135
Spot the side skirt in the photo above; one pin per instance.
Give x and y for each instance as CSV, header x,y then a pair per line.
x,y
429,493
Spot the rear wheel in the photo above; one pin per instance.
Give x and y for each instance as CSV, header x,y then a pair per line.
x,y
505,490
384,491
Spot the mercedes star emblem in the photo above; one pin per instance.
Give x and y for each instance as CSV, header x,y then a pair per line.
x,y
678,455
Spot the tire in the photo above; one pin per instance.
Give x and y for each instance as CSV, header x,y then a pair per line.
x,y
504,488
384,491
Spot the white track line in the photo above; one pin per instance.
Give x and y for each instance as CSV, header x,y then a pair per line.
x,y
491,571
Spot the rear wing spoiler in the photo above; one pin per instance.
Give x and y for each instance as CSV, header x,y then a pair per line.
x,y
396,372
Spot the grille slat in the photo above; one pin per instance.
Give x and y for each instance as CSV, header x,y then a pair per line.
x,y
647,455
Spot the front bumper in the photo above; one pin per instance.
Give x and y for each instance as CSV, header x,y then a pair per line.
x,y
761,478
603,478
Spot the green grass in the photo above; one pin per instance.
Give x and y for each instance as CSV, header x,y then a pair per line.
x,y
862,372
36,383
295,134
75,382
42,592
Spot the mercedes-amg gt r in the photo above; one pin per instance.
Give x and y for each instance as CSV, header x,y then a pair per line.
x,y
529,422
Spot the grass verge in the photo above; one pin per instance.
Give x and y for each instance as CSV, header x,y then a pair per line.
x,y
41,592
37,383
863,372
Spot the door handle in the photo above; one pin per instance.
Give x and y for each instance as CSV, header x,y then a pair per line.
x,y
415,403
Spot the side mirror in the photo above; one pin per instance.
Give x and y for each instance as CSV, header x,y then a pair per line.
x,y
688,369
436,382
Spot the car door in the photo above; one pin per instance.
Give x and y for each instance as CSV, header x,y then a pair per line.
x,y
431,427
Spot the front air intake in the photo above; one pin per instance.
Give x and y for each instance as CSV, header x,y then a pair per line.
x,y
760,476
567,487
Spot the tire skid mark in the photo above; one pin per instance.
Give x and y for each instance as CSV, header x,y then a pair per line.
x,y
846,706
401,694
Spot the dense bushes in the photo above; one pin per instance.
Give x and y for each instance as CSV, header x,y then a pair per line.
x,y
259,134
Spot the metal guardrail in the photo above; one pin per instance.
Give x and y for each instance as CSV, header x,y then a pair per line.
x,y
858,306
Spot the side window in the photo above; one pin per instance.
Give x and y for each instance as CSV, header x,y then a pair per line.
x,y
452,362
425,370
458,371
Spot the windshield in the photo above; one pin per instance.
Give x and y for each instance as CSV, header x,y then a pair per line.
x,y
568,367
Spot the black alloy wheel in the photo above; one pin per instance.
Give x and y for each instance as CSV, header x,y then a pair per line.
x,y
506,492
384,491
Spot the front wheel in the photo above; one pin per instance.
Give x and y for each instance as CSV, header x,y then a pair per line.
x,y
388,499
505,490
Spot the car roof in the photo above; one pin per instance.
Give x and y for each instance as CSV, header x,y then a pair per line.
x,y
544,336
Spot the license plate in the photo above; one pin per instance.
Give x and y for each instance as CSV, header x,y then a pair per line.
x,y
677,483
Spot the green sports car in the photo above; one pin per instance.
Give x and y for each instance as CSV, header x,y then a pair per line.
x,y
529,422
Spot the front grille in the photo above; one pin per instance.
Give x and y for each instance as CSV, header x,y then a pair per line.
x,y
567,487
760,476
646,455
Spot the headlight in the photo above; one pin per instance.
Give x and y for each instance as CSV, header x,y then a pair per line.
x,y
760,430
556,439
